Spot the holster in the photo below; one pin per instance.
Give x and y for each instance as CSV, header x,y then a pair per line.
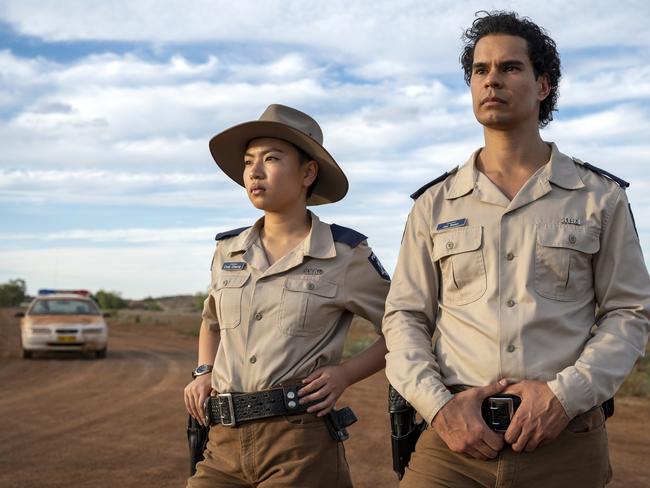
x,y
337,421
197,438
405,430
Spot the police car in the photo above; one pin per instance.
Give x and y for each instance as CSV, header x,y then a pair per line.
x,y
63,320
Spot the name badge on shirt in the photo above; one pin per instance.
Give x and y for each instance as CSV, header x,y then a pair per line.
x,y
233,265
451,224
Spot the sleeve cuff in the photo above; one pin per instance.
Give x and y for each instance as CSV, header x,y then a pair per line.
x,y
429,402
573,392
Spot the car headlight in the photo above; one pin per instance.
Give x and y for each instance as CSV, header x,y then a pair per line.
x,y
94,330
39,330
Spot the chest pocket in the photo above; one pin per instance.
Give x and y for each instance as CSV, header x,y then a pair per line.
x,y
459,254
563,255
303,305
229,291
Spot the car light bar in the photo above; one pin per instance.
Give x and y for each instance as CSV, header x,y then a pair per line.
x,y
47,291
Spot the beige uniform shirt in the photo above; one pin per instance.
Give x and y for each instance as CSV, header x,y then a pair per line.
x,y
550,286
281,322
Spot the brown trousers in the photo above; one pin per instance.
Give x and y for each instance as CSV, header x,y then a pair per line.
x,y
279,452
578,458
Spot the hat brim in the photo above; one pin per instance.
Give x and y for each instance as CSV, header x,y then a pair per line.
x,y
228,148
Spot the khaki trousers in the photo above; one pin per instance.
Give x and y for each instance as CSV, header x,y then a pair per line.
x,y
577,458
283,452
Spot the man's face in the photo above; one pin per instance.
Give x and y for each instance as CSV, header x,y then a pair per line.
x,y
505,92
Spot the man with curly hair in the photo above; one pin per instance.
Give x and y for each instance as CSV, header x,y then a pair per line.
x,y
520,300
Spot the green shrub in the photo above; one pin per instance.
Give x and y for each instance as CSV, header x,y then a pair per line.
x,y
12,293
110,300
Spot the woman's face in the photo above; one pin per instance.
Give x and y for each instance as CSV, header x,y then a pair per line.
x,y
274,177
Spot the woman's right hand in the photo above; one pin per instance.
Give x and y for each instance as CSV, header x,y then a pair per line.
x,y
195,394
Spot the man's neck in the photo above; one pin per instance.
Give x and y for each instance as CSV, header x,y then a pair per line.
x,y
510,158
508,151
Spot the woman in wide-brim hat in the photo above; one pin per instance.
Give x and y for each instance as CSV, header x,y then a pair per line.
x,y
281,300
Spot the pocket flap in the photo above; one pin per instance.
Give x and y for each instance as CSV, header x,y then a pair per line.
x,y
457,241
568,237
232,281
318,287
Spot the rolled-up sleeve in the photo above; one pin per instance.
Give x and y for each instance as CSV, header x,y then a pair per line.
x,y
409,321
622,292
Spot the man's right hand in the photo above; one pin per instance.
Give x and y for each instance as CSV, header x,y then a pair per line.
x,y
460,425
195,394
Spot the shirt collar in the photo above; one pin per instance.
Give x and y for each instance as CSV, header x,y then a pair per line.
x,y
560,170
465,178
318,243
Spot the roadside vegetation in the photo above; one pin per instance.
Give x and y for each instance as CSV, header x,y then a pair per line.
x,y
13,293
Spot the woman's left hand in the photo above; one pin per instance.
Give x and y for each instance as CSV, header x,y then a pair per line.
x,y
325,384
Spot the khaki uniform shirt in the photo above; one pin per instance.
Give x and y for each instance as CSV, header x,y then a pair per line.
x,y
281,322
550,286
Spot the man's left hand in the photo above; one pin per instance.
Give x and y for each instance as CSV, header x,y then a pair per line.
x,y
539,418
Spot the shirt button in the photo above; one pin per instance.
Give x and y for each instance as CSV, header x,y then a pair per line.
x,y
450,245
224,282
510,256
511,348
253,360
258,316
572,239
510,303
310,286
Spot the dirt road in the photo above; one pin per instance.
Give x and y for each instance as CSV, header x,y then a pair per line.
x,y
120,421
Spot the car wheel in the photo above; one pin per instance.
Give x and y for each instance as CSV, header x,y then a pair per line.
x,y
27,354
101,354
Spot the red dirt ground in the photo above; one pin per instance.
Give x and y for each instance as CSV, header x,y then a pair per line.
x,y
120,421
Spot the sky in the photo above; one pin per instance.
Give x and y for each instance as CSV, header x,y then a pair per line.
x,y
106,110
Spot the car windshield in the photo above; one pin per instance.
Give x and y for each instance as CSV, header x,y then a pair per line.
x,y
64,306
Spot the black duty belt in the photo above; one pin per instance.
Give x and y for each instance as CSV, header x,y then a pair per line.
x,y
230,409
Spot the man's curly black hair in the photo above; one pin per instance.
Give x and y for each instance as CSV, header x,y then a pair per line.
x,y
541,50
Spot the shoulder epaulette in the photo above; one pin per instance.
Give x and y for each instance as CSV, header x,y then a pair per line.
x,y
230,233
346,235
440,178
621,182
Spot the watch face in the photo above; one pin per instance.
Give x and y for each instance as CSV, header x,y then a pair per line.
x,y
202,369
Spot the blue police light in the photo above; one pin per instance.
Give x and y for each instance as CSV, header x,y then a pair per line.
x,y
49,291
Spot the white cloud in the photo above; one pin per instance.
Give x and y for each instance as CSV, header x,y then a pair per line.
x,y
130,129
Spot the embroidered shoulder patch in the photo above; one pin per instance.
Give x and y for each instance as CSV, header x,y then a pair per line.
x,y
374,260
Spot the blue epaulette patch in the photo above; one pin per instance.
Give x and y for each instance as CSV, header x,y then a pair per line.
x,y
230,233
440,178
346,235
621,182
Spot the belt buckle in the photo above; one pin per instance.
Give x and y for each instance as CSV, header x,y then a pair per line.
x,y
501,411
231,409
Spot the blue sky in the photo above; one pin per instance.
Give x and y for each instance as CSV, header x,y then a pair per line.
x,y
106,109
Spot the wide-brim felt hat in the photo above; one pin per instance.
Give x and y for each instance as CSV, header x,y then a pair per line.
x,y
291,125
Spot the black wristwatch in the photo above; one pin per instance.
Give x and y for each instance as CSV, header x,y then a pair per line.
x,y
201,370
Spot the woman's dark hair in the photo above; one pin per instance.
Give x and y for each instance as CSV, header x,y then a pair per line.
x,y
542,51
304,158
